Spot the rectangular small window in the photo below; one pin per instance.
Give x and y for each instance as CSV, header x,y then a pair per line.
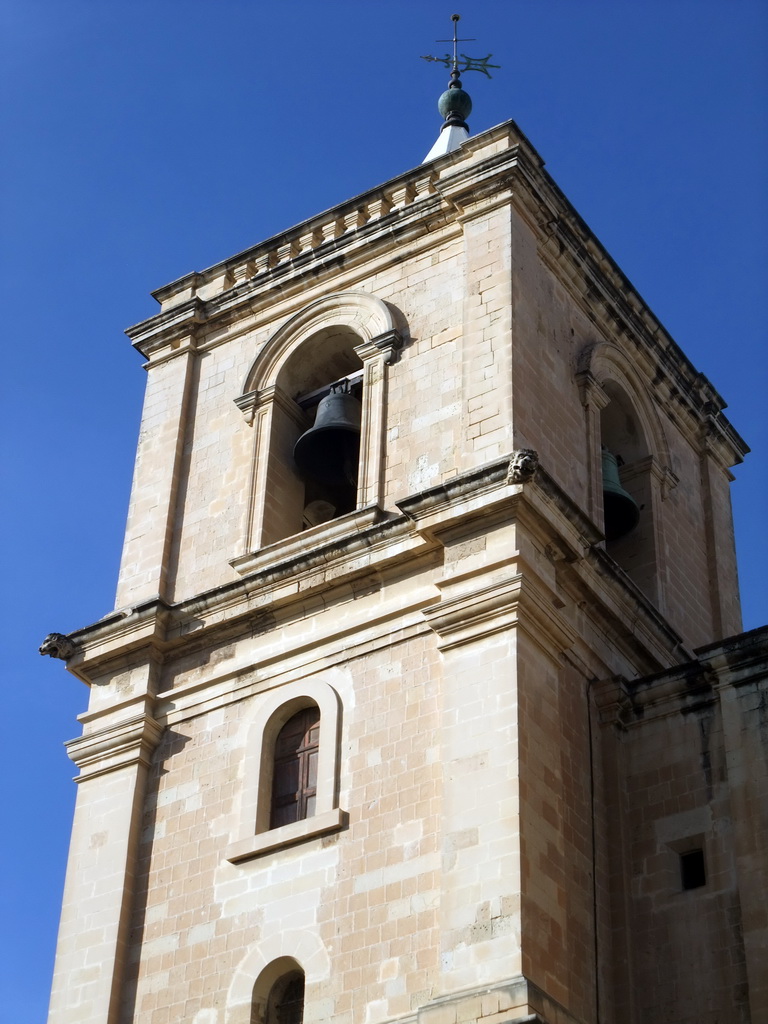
x,y
692,873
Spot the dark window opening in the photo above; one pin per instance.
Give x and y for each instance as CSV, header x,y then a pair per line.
x,y
294,779
692,873
286,1000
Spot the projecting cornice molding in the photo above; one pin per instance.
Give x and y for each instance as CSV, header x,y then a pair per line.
x,y
519,602
173,330
126,633
119,746
329,561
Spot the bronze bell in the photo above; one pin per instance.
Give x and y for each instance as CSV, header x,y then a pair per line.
x,y
620,508
329,451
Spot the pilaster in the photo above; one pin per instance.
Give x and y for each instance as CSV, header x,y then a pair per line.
x,y
376,355
113,756
145,565
718,523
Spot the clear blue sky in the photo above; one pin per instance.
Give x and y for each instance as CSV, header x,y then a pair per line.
x,y
144,140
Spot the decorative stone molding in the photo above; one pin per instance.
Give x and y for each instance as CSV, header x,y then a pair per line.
x,y
127,743
389,344
523,465
173,331
612,700
56,645
501,605
364,314
330,555
591,393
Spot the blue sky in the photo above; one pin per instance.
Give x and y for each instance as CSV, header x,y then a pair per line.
x,y
142,141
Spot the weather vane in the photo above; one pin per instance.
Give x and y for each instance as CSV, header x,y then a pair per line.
x,y
469,63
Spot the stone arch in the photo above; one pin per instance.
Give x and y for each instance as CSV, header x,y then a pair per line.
x,y
266,960
365,315
608,365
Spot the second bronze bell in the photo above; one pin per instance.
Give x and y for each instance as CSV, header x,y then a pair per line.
x,y
620,509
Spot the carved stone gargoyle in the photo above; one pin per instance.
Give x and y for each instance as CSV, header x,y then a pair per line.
x,y
522,465
56,645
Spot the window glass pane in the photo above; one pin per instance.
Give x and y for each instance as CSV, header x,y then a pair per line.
x,y
311,782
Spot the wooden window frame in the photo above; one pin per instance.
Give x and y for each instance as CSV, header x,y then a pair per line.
x,y
302,796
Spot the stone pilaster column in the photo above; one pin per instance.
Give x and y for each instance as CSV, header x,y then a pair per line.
x,y
146,562
721,547
113,755
376,355
276,421
594,399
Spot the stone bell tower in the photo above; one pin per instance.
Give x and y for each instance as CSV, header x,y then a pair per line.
x,y
416,727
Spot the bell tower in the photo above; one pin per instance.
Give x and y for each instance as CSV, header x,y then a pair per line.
x,y
424,699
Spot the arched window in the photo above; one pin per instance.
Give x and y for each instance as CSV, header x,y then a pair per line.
x,y
291,772
294,772
277,996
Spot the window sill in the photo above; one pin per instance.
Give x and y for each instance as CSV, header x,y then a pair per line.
x,y
302,545
286,835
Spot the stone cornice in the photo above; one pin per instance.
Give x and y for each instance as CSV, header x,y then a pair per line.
x,y
414,226
743,659
127,743
519,601
369,542
167,328
688,687
118,636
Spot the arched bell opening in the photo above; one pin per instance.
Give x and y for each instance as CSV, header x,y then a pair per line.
x,y
315,435
627,488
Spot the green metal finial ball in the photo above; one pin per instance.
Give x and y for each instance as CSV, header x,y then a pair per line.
x,y
455,101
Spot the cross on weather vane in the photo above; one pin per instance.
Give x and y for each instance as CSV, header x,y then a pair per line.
x,y
470,63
